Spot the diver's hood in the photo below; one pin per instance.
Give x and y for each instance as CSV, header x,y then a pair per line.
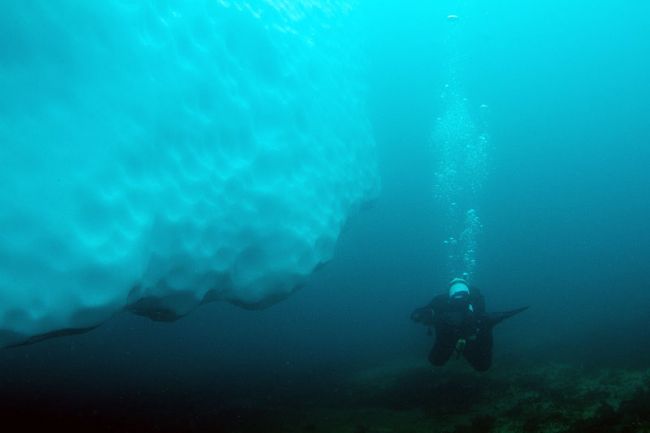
x,y
458,288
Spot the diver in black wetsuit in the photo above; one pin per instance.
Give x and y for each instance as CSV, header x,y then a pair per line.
x,y
462,326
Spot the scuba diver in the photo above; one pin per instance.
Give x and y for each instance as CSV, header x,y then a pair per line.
x,y
462,326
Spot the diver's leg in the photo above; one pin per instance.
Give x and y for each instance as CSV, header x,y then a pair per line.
x,y
440,354
479,352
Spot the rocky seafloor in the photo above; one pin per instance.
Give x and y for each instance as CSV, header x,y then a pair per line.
x,y
412,397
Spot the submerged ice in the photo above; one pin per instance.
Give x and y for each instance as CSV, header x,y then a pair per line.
x,y
157,155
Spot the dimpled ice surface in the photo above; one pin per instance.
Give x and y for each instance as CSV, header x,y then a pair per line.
x,y
156,155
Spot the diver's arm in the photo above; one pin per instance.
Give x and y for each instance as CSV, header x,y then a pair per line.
x,y
477,300
423,315
427,315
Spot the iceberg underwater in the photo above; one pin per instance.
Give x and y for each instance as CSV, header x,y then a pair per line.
x,y
156,156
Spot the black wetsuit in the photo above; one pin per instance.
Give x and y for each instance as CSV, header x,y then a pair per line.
x,y
461,327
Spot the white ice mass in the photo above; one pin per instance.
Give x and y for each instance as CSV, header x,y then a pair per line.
x,y
155,155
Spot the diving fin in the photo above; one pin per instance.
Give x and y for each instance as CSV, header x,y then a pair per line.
x,y
496,318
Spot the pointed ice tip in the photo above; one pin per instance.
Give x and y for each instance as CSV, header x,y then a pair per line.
x,y
452,17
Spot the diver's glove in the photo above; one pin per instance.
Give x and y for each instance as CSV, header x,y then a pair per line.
x,y
460,346
423,315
